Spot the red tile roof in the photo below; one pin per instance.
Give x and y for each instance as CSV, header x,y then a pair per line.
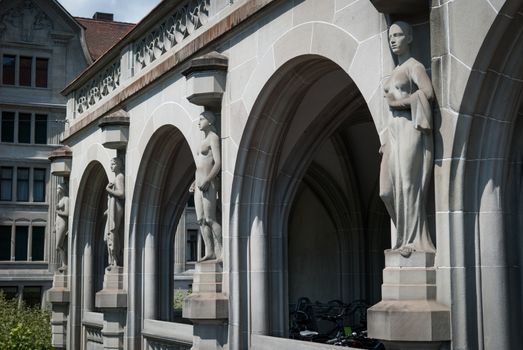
x,y
100,35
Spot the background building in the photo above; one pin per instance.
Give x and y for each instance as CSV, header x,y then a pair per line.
x,y
42,48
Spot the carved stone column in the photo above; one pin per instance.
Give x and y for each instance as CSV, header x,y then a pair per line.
x,y
112,299
59,294
207,307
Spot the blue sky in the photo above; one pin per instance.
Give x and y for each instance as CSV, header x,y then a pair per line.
x,y
123,10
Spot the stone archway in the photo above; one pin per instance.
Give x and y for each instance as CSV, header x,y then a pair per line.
x,y
307,102
480,206
87,257
165,174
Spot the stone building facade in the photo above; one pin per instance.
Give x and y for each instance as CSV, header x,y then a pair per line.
x,y
297,88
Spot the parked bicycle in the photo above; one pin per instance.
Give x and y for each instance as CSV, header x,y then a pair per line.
x,y
326,323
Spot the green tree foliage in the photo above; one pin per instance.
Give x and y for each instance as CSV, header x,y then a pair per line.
x,y
23,327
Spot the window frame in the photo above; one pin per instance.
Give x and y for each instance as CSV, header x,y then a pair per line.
x,y
36,59
2,179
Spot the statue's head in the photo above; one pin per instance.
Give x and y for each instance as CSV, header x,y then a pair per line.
x,y
207,120
116,165
400,37
62,189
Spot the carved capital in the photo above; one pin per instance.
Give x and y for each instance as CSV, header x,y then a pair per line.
x,y
61,160
115,129
206,77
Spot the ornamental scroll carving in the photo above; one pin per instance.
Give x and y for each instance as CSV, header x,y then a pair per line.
x,y
98,87
170,32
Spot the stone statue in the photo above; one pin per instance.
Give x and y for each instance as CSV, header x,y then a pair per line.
x,y
407,146
61,224
114,213
207,185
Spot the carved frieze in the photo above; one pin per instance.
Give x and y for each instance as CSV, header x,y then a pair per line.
x,y
184,21
99,87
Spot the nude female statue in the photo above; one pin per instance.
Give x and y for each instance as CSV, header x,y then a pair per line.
x,y
407,146
206,187
115,209
62,218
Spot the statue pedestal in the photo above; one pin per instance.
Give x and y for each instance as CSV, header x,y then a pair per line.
x,y
112,299
207,307
409,317
58,296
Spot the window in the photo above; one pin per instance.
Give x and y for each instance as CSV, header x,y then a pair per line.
x,y
24,77
6,183
190,202
41,129
21,239
39,185
22,184
9,292
41,72
192,245
24,127
8,69
32,296
37,244
5,243
8,126
24,71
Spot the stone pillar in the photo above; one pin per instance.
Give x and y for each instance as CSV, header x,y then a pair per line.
x,y
58,296
409,317
112,299
179,245
207,307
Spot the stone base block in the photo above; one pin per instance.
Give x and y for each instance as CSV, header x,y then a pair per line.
x,y
409,275
110,299
409,321
112,295
58,295
207,277
408,291
209,335
206,306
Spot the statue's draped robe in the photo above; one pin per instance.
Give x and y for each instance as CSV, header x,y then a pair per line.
x,y
407,160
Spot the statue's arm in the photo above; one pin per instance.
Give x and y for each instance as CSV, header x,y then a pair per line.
x,y
215,148
118,189
64,207
422,80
